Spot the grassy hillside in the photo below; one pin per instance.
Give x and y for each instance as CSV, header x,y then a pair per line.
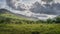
x,y
8,14
8,17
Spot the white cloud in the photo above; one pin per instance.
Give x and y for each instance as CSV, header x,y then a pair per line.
x,y
26,2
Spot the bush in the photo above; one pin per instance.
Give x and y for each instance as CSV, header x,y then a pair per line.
x,y
57,19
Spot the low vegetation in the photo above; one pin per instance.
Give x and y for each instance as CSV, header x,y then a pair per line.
x,y
29,28
11,24
16,20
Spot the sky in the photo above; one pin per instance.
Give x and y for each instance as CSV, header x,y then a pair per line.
x,y
1,0
29,2
3,3
25,1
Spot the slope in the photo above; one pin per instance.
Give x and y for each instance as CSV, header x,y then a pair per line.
x,y
8,17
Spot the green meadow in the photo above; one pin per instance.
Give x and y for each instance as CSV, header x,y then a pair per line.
x,y
13,24
29,28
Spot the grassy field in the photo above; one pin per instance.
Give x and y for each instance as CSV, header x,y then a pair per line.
x,y
12,24
29,28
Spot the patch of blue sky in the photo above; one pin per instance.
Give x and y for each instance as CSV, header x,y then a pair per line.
x,y
2,1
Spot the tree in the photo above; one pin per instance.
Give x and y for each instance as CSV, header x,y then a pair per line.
x,y
49,20
57,19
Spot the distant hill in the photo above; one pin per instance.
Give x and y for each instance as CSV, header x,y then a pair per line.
x,y
8,14
8,17
4,11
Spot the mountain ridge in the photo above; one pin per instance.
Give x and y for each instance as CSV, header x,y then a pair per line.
x,y
7,13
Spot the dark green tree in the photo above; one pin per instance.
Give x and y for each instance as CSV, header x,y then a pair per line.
x,y
49,21
57,19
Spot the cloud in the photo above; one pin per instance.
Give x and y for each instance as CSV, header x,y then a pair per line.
x,y
20,4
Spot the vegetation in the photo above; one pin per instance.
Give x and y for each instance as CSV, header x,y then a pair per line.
x,y
12,24
29,28
11,19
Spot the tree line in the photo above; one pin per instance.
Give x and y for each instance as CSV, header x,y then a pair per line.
x,y
19,21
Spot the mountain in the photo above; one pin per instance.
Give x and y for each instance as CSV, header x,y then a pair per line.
x,y
3,11
8,14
